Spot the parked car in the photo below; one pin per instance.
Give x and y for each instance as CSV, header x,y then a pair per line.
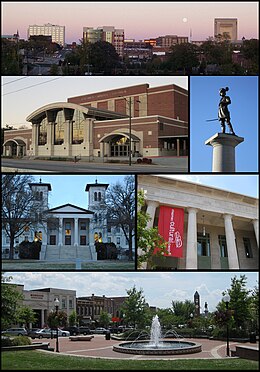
x,y
101,331
31,332
73,330
85,330
15,332
50,333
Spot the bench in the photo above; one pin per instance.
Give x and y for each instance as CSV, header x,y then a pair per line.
x,y
81,338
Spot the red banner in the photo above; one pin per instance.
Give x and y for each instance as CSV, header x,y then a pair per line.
x,y
170,227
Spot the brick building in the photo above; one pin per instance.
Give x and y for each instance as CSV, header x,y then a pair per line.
x,y
153,121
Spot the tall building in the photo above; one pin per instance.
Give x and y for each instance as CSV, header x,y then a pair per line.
x,y
169,40
56,32
105,33
226,25
197,303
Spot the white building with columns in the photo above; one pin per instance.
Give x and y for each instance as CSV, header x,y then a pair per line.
x,y
69,232
220,227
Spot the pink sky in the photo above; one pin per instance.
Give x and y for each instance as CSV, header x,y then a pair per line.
x,y
139,19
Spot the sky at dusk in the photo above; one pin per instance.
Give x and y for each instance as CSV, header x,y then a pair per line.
x,y
139,19
159,288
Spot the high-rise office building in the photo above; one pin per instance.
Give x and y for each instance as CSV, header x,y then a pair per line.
x,y
105,33
226,25
56,32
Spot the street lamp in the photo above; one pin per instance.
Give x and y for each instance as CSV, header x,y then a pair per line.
x,y
226,299
130,126
191,317
56,303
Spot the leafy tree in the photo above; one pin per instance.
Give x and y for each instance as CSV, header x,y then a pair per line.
x,y
104,319
135,308
58,319
182,310
10,301
120,202
167,318
26,315
147,238
183,57
73,318
250,51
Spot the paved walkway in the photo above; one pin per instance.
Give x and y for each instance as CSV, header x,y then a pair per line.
x,y
99,347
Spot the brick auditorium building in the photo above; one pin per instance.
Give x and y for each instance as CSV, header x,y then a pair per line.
x,y
153,121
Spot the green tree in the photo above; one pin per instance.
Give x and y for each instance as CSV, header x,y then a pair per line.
x,y
147,238
57,319
104,319
183,309
10,301
167,318
183,57
73,318
26,315
135,308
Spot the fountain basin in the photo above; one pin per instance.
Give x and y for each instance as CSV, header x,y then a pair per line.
x,y
163,348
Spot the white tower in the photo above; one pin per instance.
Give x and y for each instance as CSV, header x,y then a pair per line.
x,y
96,204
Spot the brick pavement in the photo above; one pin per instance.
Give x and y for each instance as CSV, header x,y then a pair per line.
x,y
99,347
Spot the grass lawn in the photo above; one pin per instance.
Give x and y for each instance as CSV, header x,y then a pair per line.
x,y
35,360
35,265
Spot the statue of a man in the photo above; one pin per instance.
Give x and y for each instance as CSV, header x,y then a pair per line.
x,y
223,112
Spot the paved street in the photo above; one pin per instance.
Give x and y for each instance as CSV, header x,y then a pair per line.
x,y
27,165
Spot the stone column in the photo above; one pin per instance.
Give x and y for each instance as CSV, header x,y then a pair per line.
x,y
35,135
178,147
76,232
231,243
255,224
224,151
60,231
191,250
151,208
42,319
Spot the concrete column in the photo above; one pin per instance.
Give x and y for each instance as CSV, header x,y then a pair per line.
x,y
224,151
191,251
60,231
231,243
151,208
42,318
76,232
255,224
35,134
178,147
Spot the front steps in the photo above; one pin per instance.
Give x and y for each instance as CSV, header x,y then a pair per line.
x,y
67,252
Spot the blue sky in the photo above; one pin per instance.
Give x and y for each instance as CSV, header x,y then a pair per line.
x,y
71,189
204,93
159,288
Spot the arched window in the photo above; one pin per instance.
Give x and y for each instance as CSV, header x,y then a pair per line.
x,y
95,196
41,195
99,196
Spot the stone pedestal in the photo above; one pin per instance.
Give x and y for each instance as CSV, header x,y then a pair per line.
x,y
223,151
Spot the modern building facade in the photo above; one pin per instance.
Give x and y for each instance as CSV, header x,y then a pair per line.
x,y
104,125
109,34
220,228
226,25
68,231
41,301
55,31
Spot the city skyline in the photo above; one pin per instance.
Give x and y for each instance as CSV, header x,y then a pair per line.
x,y
136,18
159,288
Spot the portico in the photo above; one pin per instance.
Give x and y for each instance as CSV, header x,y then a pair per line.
x,y
220,227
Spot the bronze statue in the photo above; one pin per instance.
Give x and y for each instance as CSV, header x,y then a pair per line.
x,y
223,112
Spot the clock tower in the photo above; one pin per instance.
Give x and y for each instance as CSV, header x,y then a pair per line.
x,y
197,303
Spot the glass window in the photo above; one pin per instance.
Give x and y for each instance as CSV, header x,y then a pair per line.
x,y
70,303
59,129
78,127
248,249
203,245
63,303
222,246
118,240
83,225
67,226
42,135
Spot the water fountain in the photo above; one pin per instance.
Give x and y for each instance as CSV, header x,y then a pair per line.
x,y
157,345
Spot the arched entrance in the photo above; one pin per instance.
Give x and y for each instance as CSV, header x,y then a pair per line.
x,y
118,145
14,147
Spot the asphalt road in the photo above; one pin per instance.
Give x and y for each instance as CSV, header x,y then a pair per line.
x,y
27,165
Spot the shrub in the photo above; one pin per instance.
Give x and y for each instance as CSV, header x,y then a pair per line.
x,y
29,250
15,341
